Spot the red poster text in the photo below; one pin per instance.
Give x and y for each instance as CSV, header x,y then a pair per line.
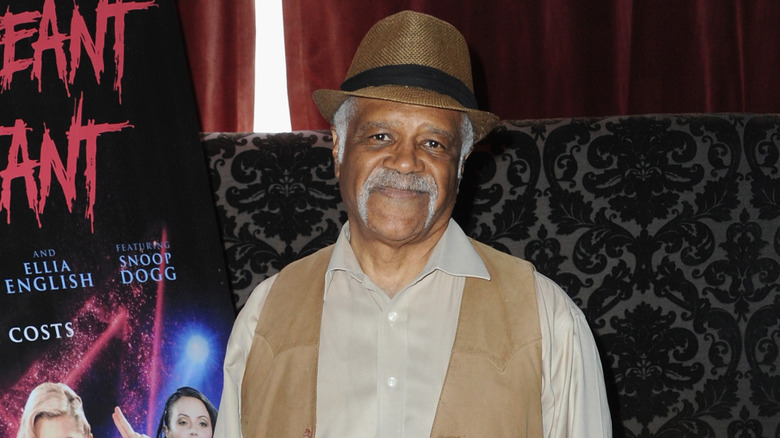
x,y
21,166
43,31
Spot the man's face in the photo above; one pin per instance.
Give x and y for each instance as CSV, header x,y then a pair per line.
x,y
399,175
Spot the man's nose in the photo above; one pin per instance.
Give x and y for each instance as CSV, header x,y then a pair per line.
x,y
405,158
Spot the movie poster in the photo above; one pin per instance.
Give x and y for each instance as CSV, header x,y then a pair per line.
x,y
112,278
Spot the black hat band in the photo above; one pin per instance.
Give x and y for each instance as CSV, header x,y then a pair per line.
x,y
413,75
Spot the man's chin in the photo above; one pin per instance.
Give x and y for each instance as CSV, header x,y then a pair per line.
x,y
399,229
402,204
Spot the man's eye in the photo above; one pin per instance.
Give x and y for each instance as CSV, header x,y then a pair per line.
x,y
381,137
433,144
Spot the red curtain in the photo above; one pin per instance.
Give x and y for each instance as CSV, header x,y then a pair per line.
x,y
561,58
220,40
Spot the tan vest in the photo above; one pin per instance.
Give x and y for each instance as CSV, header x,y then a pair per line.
x,y
493,383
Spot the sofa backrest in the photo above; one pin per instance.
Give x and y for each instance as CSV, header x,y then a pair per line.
x,y
664,229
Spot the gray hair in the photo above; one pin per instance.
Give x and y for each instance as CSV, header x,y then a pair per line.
x,y
346,111
341,119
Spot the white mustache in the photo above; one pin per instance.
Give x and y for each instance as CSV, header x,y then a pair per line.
x,y
393,179
386,178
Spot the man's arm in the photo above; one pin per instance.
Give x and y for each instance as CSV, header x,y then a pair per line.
x,y
240,342
574,400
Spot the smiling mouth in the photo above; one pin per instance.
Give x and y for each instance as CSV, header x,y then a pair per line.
x,y
395,186
395,192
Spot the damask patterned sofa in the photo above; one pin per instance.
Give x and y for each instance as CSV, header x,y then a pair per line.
x,y
665,229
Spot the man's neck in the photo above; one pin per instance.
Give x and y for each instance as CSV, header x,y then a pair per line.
x,y
393,265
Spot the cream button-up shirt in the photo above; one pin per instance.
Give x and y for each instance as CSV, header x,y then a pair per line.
x,y
382,361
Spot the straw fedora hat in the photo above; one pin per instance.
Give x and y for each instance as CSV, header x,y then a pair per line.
x,y
412,58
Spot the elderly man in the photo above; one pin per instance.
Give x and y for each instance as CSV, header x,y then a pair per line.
x,y
406,327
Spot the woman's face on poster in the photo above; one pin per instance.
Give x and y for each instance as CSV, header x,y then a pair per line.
x,y
62,426
189,417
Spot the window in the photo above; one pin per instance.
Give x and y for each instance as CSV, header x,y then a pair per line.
x,y
272,109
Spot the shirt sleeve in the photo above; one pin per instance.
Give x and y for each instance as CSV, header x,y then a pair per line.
x,y
240,342
574,400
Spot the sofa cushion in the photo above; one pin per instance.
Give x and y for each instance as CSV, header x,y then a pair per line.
x,y
664,229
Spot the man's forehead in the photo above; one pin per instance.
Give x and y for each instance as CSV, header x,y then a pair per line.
x,y
383,113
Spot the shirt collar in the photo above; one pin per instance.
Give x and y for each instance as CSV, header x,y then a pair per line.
x,y
454,254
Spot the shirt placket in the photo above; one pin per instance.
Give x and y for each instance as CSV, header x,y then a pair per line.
x,y
392,365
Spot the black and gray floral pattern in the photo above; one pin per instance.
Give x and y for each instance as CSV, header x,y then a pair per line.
x,y
664,229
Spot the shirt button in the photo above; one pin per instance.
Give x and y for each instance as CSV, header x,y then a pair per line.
x,y
392,382
392,317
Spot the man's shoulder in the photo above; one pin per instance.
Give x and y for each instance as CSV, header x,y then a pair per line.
x,y
486,251
310,261
548,292
559,307
259,295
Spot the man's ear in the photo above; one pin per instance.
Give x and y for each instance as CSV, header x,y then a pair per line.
x,y
335,151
